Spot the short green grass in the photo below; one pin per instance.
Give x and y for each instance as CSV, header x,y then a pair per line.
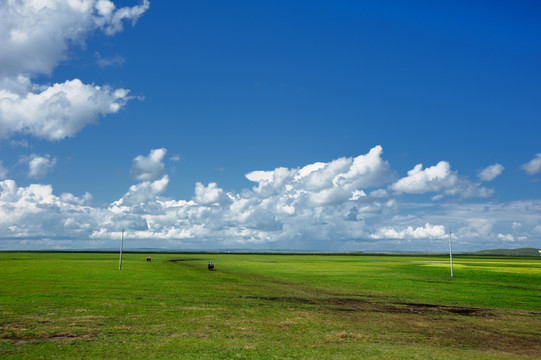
x,y
79,305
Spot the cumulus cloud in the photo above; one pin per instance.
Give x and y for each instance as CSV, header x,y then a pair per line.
x,y
326,183
38,165
143,194
316,202
149,168
34,211
35,37
433,179
533,166
211,194
318,206
438,179
490,172
58,111
427,232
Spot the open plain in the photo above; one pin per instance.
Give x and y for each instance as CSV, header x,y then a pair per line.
x,y
258,306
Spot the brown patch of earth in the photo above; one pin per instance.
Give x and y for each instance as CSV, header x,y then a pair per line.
x,y
508,331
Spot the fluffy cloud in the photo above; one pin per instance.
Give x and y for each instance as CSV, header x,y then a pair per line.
x,y
211,194
533,166
439,179
142,194
34,37
325,183
490,172
338,205
149,168
426,232
316,202
28,212
38,166
59,111
432,179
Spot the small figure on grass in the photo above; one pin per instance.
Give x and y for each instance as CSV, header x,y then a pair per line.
x,y
148,258
210,266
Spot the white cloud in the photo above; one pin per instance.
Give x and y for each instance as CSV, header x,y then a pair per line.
x,y
506,237
74,200
35,37
59,111
432,179
284,210
441,179
34,211
308,169
143,194
149,168
490,172
38,165
326,183
283,207
210,194
111,19
260,176
533,166
427,232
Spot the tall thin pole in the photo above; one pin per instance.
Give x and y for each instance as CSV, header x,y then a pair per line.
x,y
450,253
121,246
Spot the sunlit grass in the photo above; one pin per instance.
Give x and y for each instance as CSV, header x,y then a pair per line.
x,y
63,305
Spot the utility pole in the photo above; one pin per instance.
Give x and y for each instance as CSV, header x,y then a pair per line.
x,y
121,246
450,253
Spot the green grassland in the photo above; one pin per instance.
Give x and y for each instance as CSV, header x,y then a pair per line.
x,y
79,305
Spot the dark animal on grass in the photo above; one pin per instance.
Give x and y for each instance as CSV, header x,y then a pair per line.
x,y
148,258
210,266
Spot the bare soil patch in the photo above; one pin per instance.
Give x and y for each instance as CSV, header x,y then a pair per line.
x,y
479,328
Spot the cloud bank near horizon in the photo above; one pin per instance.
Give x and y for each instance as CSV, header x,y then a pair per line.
x,y
345,204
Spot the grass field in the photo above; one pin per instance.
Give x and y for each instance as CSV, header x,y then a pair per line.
x,y
79,305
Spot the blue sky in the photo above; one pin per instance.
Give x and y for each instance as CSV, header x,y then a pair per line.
x,y
270,125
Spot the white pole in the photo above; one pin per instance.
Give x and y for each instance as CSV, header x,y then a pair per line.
x,y
121,246
450,253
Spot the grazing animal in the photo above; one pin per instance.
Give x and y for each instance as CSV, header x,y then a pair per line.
x,y
148,258
210,266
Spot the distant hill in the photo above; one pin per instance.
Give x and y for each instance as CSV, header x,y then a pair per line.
x,y
508,252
